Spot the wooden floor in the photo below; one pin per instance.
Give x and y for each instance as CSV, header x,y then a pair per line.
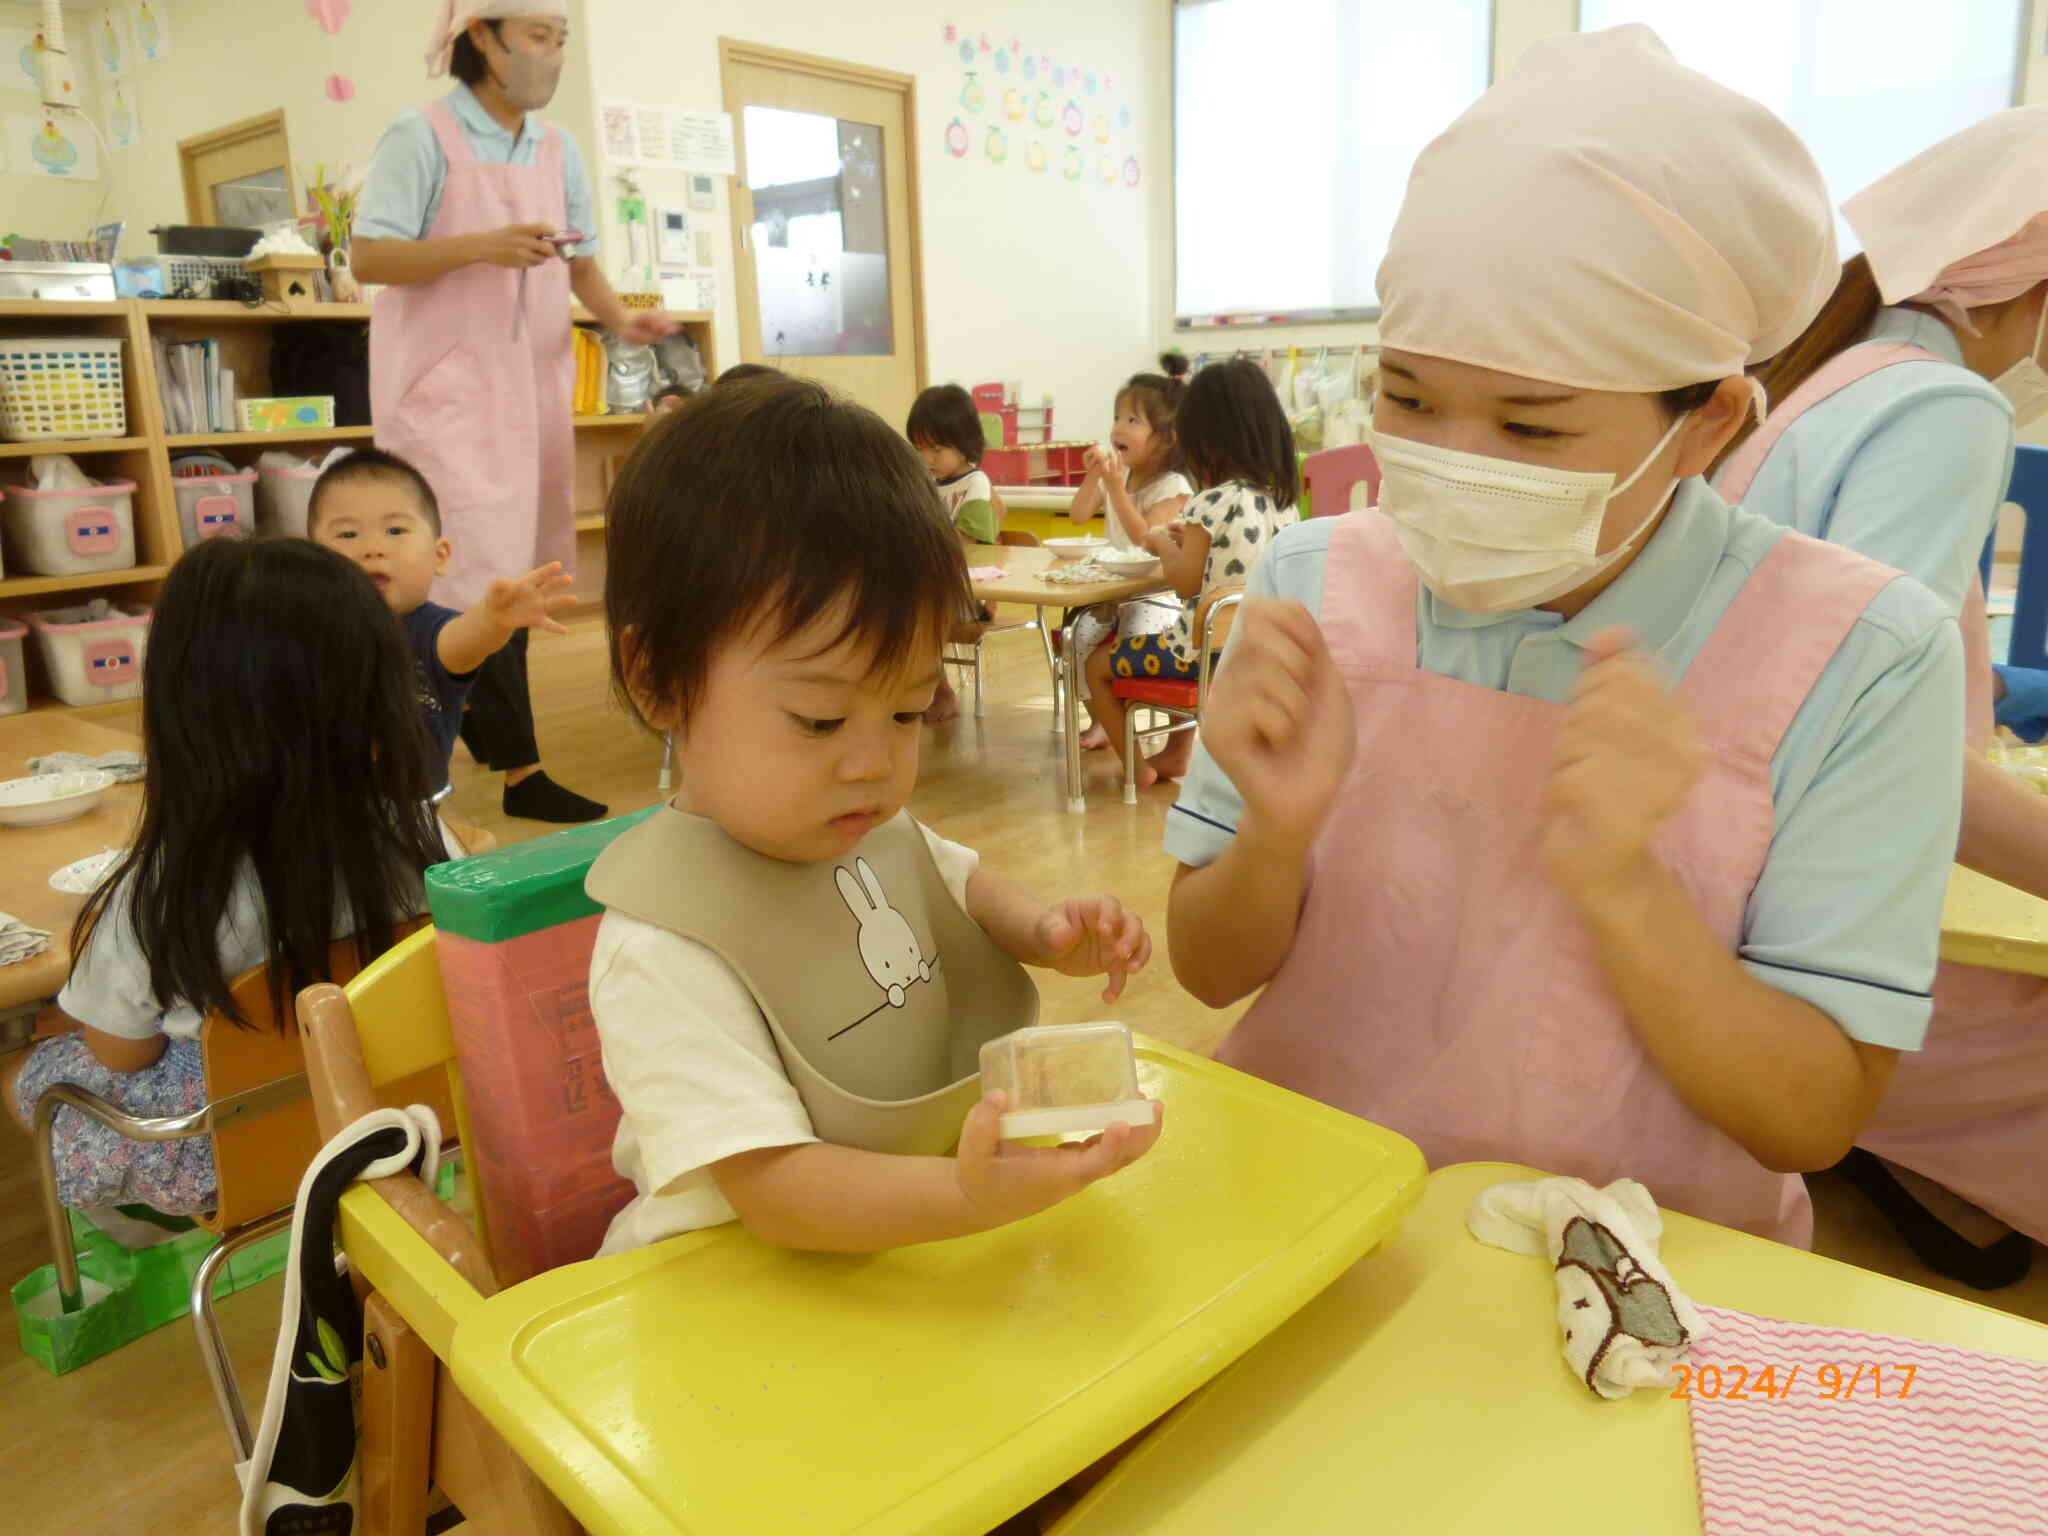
x,y
132,1442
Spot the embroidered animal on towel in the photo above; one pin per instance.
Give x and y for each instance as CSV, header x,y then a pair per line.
x,y
888,947
1602,1289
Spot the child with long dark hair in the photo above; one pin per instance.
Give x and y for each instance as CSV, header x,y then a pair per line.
x,y
285,806
1237,446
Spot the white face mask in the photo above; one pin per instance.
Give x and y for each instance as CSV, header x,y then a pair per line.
x,y
2025,383
1492,535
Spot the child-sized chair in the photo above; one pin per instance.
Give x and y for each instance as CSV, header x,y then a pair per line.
x,y
264,1135
2029,488
713,1383
968,635
1182,703
1327,479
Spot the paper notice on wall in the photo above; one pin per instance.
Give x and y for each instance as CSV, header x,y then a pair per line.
x,y
651,125
52,144
701,141
689,288
150,24
619,132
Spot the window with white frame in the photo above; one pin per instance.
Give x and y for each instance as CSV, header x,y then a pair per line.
x,y
1867,84
1296,123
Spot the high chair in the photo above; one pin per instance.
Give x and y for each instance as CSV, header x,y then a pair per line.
x,y
713,1383
264,1135
1328,478
1182,703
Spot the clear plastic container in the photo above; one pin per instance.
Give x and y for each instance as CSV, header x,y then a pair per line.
x,y
71,533
282,499
13,679
212,506
1062,1078
92,660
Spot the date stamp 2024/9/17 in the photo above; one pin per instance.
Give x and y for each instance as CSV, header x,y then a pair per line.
x,y
1829,1383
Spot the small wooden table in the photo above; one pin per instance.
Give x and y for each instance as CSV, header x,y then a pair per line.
x,y
30,855
1989,923
1024,582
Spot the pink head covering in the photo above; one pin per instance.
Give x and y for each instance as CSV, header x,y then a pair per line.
x,y
1605,218
456,15
1965,223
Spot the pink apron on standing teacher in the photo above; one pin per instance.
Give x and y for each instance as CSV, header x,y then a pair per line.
x,y
472,375
1970,1109
1439,984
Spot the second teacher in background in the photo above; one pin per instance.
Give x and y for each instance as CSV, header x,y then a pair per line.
x,y
479,216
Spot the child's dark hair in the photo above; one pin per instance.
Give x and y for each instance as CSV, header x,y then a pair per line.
x,y
283,739
765,503
467,63
1231,427
1157,397
740,371
945,416
373,464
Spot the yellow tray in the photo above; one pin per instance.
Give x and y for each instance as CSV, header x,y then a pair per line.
x,y
715,1384
1425,1391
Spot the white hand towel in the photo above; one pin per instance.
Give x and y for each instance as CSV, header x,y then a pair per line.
x,y
1625,1324
126,767
18,941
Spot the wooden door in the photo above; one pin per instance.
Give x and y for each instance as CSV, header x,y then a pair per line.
x,y
240,174
825,223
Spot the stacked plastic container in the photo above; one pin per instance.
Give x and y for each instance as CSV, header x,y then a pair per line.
x,y
70,533
13,679
92,654
215,499
283,495
513,932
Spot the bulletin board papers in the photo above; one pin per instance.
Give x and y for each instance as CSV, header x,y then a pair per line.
x,y
689,288
666,138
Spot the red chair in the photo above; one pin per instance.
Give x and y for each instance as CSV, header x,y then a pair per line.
x,y
1182,703
1329,476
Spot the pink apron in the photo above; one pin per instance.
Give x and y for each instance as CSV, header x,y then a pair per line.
x,y
472,375
1970,1109
1439,984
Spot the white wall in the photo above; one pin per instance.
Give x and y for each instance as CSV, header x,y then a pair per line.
x,y
1027,277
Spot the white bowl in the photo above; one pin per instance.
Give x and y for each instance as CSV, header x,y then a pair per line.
x,y
48,798
1129,562
1078,548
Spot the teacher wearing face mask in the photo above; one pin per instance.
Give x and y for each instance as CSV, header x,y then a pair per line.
x,y
478,216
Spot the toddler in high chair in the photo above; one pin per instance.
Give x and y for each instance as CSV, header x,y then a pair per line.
x,y
793,978
1138,485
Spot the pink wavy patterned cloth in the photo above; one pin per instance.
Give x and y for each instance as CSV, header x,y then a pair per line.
x,y
1964,1452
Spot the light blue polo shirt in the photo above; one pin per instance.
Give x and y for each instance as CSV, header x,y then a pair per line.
x,y
1907,465
1866,784
402,194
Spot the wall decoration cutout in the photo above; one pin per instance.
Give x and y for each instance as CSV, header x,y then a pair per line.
x,y
332,15
122,127
111,45
45,144
1055,107
152,29
21,59
340,88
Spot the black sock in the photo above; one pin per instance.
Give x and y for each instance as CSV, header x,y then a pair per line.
x,y
1936,1244
539,798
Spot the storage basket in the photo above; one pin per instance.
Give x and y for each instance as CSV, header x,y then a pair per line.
x,y
61,387
13,679
70,533
94,661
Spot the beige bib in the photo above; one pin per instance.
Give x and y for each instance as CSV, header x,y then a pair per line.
x,y
878,989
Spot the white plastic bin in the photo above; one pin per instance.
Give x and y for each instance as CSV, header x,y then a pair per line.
x,y
92,661
282,497
70,533
217,504
13,679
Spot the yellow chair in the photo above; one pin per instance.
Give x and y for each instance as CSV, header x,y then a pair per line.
x,y
713,1383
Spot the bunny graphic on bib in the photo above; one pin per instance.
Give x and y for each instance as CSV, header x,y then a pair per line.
x,y
888,946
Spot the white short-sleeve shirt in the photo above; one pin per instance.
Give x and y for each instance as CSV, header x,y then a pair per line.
x,y
690,1057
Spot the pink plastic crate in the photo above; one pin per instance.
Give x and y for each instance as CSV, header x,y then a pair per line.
x,y
541,1113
